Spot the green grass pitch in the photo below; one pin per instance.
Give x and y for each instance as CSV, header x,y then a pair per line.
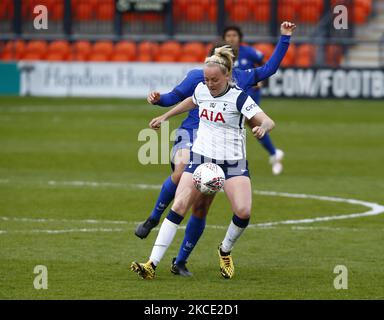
x,y
64,162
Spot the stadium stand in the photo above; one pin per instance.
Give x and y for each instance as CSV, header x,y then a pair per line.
x,y
254,16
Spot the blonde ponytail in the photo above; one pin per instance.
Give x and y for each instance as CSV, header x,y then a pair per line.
x,y
223,57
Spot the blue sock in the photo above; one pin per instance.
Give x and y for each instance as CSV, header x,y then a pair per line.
x,y
266,142
166,195
193,232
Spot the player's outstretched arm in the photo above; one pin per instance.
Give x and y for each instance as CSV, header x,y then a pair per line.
x,y
184,106
183,90
273,64
261,124
163,100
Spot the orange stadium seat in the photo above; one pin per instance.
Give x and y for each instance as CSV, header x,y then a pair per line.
x,y
195,49
60,47
265,48
144,58
81,50
75,56
304,61
56,57
310,11
105,11
15,48
38,47
359,16
334,55
306,54
195,12
6,9
182,4
289,59
260,11
212,12
365,5
189,58
98,57
148,48
171,48
230,4
120,56
165,58
286,13
361,11
306,15
5,56
92,3
127,48
32,56
83,11
239,13
288,9
103,48
56,12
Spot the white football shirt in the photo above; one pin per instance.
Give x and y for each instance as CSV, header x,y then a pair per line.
x,y
221,134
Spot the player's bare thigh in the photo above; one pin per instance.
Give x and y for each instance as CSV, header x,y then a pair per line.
x,y
186,194
180,160
239,193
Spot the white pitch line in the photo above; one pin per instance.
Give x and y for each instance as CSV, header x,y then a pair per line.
x,y
61,231
49,109
92,221
375,208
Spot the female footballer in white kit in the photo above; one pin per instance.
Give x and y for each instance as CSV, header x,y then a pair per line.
x,y
223,108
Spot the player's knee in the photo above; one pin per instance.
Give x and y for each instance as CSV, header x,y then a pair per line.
x,y
243,212
180,206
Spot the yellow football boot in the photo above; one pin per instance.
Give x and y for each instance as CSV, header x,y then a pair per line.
x,y
227,268
144,270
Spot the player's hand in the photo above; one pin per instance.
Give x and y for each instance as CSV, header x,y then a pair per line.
x,y
153,97
287,28
258,132
155,123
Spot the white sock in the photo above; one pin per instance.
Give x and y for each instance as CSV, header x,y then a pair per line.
x,y
163,241
233,233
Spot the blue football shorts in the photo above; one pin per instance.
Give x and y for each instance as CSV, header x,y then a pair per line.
x,y
231,168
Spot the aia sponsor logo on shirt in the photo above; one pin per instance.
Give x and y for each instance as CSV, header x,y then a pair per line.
x,y
212,116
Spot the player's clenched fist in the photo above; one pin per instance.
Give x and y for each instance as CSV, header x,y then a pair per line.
x,y
287,28
258,132
153,97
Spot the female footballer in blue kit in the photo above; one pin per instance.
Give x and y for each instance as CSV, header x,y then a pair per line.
x,y
196,224
247,58
221,140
